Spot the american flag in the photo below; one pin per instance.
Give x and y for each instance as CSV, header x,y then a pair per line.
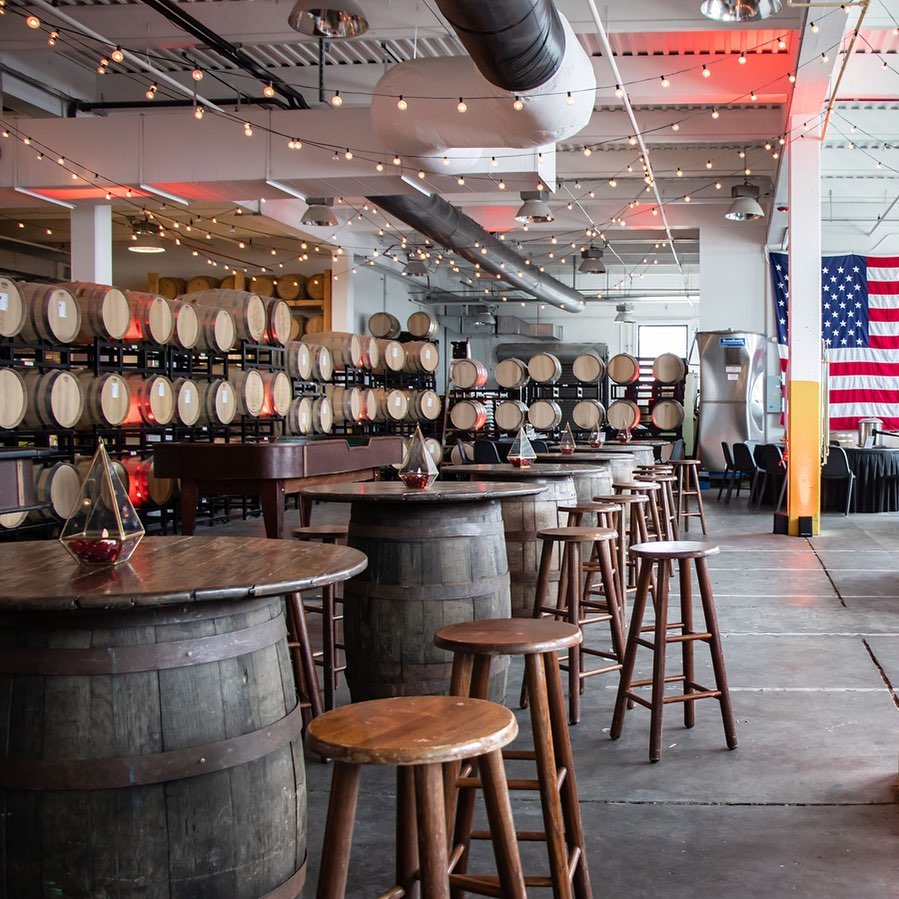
x,y
860,330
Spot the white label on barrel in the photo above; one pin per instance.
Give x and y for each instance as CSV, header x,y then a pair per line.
x,y
4,302
160,388
188,396
114,389
62,308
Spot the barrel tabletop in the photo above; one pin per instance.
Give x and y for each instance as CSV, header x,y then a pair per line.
x,y
578,458
40,575
439,492
608,447
500,470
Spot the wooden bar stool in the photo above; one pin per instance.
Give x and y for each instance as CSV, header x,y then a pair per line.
x,y
651,491
302,658
474,645
574,608
667,503
632,529
418,735
332,594
660,555
688,486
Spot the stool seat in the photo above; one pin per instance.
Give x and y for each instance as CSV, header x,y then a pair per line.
x,y
411,730
661,478
626,499
321,532
637,485
508,636
576,535
684,462
585,508
674,549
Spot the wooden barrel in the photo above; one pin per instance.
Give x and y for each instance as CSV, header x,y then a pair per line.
x,y
369,404
315,324
200,282
667,414
371,352
297,326
624,414
322,415
468,415
622,468
624,369
591,480
669,368
83,466
12,308
51,313
315,286
588,414
383,324
589,368
107,399
346,403
187,325
217,331
346,349
392,355
250,390
58,485
421,356
171,288
522,518
422,325
218,402
12,520
277,321
299,416
55,399
298,360
187,401
468,374
544,368
105,312
322,363
207,794
393,405
291,287
152,400
424,405
435,450
511,374
510,415
278,393
262,285
229,282
392,609
247,310
151,318
456,454
144,488
13,398
545,415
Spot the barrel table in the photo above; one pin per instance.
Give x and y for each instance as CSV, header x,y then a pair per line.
x,y
620,465
643,453
522,518
436,557
150,742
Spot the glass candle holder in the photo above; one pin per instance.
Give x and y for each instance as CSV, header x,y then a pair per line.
x,y
418,471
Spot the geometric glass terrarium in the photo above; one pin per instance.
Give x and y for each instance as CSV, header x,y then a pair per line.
x,y
418,471
597,437
522,453
567,444
104,528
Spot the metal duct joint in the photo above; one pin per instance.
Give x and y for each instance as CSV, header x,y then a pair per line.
x,y
517,44
448,227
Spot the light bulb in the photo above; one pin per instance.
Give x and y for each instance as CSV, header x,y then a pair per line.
x,y
401,104
742,59
348,155
118,55
791,78
716,114
814,27
753,96
632,140
198,112
824,58
421,173
613,182
397,160
781,44
680,173
569,99
718,185
619,92
268,90
665,82
706,72
501,185
518,105
461,106
197,74
588,151
708,164
247,130
460,181
675,126
337,100
379,167
53,36
33,22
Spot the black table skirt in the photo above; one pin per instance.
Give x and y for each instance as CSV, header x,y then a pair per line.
x,y
876,473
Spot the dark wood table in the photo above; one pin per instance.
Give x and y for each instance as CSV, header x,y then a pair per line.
x,y
151,729
270,471
436,557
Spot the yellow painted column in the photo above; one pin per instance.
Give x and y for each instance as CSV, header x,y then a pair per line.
x,y
804,389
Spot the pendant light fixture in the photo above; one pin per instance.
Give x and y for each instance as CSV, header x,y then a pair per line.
x,y
335,20
735,11
591,261
625,314
145,239
319,213
745,206
534,208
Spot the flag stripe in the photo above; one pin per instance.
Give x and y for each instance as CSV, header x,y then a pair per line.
x,y
850,422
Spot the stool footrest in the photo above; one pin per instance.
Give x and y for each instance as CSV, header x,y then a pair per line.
x,y
523,836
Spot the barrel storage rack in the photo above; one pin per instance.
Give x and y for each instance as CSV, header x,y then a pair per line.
x,y
80,363
656,388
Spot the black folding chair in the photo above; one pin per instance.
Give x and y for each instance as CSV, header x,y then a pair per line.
x,y
730,472
836,468
769,458
745,467
486,453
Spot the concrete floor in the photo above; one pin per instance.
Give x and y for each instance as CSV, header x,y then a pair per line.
x,y
805,806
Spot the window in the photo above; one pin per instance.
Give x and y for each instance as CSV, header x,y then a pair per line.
x,y
653,340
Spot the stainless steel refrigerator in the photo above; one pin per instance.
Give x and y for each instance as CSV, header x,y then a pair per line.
x,y
731,391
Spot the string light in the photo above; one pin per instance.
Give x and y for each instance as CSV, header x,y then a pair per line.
x,y
619,91
379,167
199,112
397,160
679,172
337,100
792,77
588,151
824,58
348,155
33,22
753,96
295,144
708,163
665,82
401,104
461,106
613,182
501,185
151,91
716,114
632,140
268,90
814,27
197,74
518,104
781,44
51,41
247,129
117,54
569,99
706,71
742,59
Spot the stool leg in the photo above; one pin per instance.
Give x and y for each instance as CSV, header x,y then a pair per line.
x,y
686,613
338,831
305,664
329,641
630,653
548,772
571,809
573,553
502,827
658,662
540,595
683,521
407,861
613,600
699,505
622,558
711,623
432,840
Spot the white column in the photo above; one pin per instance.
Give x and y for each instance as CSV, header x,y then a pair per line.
x,y
343,313
92,244
804,397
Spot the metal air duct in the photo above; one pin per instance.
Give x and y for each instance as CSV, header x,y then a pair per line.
x,y
448,227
